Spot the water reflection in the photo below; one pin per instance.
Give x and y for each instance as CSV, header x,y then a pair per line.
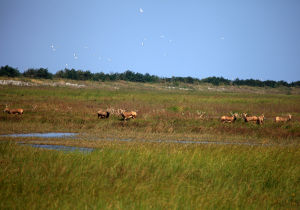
x,y
42,135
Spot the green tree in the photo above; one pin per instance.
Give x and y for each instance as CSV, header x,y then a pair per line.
x,y
9,71
38,73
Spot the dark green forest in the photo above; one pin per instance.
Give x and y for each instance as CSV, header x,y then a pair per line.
x,y
128,75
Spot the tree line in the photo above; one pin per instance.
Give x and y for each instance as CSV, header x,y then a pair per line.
x,y
128,75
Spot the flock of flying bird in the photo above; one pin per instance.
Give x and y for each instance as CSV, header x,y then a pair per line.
x,y
76,57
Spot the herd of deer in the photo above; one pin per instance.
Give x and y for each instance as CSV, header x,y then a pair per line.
x,y
132,115
258,119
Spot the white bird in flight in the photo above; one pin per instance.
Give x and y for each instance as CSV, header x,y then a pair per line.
x,y
141,10
52,47
75,56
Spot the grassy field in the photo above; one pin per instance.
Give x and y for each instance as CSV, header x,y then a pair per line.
x,y
144,176
151,175
161,113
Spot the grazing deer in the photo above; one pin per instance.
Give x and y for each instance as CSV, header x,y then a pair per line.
x,y
258,120
261,119
229,119
249,119
283,119
103,114
128,115
13,111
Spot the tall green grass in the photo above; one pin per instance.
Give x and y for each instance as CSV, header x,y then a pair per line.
x,y
147,176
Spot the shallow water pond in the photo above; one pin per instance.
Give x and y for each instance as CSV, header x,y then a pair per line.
x,y
42,135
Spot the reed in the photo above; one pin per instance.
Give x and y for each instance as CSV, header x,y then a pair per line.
x,y
150,175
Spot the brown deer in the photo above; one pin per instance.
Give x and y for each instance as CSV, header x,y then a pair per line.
x,y
229,119
13,111
261,119
283,119
128,115
103,114
249,119
258,120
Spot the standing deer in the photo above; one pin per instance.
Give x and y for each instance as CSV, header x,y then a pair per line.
x,y
283,119
261,119
128,115
13,111
103,114
258,120
229,119
249,119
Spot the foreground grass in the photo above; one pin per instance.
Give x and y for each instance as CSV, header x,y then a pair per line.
x,y
147,175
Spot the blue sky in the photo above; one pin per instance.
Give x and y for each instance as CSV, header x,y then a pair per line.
x,y
257,39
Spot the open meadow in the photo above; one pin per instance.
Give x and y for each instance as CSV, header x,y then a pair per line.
x,y
257,168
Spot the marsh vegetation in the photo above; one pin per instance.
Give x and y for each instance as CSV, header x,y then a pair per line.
x,y
170,114
147,174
